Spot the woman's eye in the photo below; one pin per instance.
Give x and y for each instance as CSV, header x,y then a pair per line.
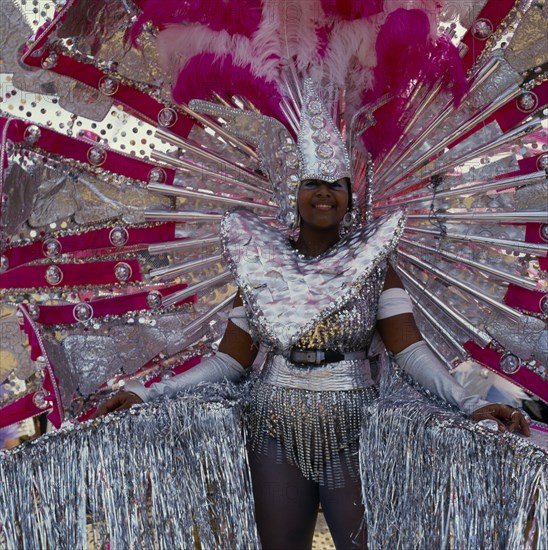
x,y
310,184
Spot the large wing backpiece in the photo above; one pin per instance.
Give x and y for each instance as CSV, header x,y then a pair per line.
x,y
114,184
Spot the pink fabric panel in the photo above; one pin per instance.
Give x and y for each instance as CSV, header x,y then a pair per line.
x,y
521,298
96,273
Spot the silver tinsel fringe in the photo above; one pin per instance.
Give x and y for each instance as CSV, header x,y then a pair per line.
x,y
163,476
433,479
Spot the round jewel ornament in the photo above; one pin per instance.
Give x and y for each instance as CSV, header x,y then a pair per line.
x,y
32,134
82,312
154,299
167,117
510,363
108,85
97,156
54,275
118,236
122,272
51,248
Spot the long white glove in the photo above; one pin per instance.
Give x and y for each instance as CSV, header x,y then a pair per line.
x,y
216,368
423,366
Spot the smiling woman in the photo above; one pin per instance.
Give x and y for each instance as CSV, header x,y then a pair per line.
x,y
322,206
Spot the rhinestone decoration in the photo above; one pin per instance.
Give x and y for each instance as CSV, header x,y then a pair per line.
x,y
292,160
34,311
544,304
82,312
320,136
482,29
54,275
32,134
544,232
118,236
60,3
527,102
315,107
108,85
154,299
328,168
4,264
39,399
509,363
317,122
97,155
157,175
50,61
542,162
51,248
325,151
167,117
122,272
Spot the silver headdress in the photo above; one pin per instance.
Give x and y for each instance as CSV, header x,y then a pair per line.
x,y
322,152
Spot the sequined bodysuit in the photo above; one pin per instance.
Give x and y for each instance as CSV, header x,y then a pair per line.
x,y
327,302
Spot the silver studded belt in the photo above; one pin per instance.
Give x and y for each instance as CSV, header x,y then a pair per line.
x,y
319,357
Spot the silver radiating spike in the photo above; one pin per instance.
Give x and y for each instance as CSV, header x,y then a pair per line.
x,y
172,271
478,335
492,242
423,105
437,353
177,191
438,326
190,329
489,217
290,115
201,170
478,294
520,131
180,216
220,99
509,94
194,289
174,246
440,167
448,110
515,181
238,143
507,277
209,156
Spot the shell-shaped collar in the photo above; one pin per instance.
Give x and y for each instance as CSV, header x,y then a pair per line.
x,y
287,293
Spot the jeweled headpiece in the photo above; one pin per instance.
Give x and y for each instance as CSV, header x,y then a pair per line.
x,y
322,152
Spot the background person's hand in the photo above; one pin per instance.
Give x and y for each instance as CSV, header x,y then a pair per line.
x,y
502,415
119,402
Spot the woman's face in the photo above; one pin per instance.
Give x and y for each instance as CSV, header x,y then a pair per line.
x,y
322,205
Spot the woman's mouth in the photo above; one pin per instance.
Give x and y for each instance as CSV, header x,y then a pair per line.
x,y
322,206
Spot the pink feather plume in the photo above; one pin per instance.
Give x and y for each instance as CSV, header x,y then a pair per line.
x,y
405,54
206,73
242,17
352,9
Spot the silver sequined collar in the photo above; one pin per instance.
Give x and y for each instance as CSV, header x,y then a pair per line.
x,y
286,294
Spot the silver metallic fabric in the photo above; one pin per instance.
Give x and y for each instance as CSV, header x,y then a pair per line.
x,y
327,303
434,479
167,475
278,285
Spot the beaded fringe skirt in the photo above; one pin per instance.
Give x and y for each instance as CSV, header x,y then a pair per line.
x,y
318,431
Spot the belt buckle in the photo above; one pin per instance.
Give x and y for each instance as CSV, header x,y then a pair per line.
x,y
315,356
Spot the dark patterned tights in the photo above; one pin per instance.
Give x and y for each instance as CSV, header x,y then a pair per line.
x,y
286,506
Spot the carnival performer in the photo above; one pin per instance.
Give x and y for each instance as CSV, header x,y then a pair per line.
x,y
315,303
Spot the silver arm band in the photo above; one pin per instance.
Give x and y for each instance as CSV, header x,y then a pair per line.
x,y
216,368
394,301
423,366
239,318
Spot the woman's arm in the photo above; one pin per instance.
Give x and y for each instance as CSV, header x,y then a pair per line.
x,y
402,338
236,353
